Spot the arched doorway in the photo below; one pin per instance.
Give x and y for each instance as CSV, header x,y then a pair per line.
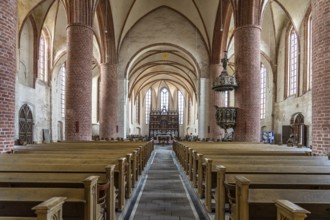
x,y
298,128
25,125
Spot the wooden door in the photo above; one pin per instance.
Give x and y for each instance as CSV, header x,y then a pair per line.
x,y
286,131
25,125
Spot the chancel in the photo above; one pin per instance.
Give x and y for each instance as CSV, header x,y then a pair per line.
x,y
119,109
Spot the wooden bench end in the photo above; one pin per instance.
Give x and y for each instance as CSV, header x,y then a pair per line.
x,y
52,204
290,206
241,180
221,167
290,211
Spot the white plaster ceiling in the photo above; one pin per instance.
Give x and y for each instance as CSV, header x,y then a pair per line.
x,y
201,13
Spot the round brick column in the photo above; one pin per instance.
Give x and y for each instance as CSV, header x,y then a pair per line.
x,y
108,101
247,95
78,119
321,77
8,25
216,98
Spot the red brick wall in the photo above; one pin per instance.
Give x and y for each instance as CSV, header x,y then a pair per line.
x,y
247,95
321,77
108,101
8,22
78,121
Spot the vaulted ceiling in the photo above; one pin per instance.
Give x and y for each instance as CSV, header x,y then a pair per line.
x,y
200,13
163,61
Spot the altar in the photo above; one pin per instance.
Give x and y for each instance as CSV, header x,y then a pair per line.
x,y
164,124
164,138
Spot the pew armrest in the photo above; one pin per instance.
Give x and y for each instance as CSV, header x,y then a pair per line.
x,y
290,211
50,209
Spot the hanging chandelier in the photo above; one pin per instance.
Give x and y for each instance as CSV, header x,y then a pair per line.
x,y
225,82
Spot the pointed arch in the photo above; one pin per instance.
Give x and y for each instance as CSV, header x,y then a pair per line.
x,y
147,100
25,121
44,55
164,98
292,63
308,73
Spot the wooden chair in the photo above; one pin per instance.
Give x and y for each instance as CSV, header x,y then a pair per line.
x,y
231,195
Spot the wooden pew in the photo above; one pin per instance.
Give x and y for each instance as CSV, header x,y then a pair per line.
x,y
48,210
207,173
289,178
141,152
258,204
133,159
182,149
18,200
86,151
198,166
130,165
133,165
219,156
193,161
107,172
187,155
146,147
105,184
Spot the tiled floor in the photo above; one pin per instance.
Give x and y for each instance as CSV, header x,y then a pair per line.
x,y
163,194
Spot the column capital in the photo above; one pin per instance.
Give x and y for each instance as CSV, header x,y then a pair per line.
x,y
247,26
80,11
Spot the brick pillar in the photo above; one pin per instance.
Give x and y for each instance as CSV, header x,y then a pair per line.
x,y
108,100
78,119
216,98
247,63
8,26
247,95
321,77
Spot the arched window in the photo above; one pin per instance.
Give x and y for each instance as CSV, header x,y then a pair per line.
x,y
292,63
263,91
309,53
43,58
62,78
189,111
137,110
164,99
148,105
98,99
25,124
180,107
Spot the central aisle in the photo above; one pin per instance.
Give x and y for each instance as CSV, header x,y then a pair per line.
x,y
163,194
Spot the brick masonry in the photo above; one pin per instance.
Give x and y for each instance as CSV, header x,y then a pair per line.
x,y
321,77
108,100
78,118
247,95
8,22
